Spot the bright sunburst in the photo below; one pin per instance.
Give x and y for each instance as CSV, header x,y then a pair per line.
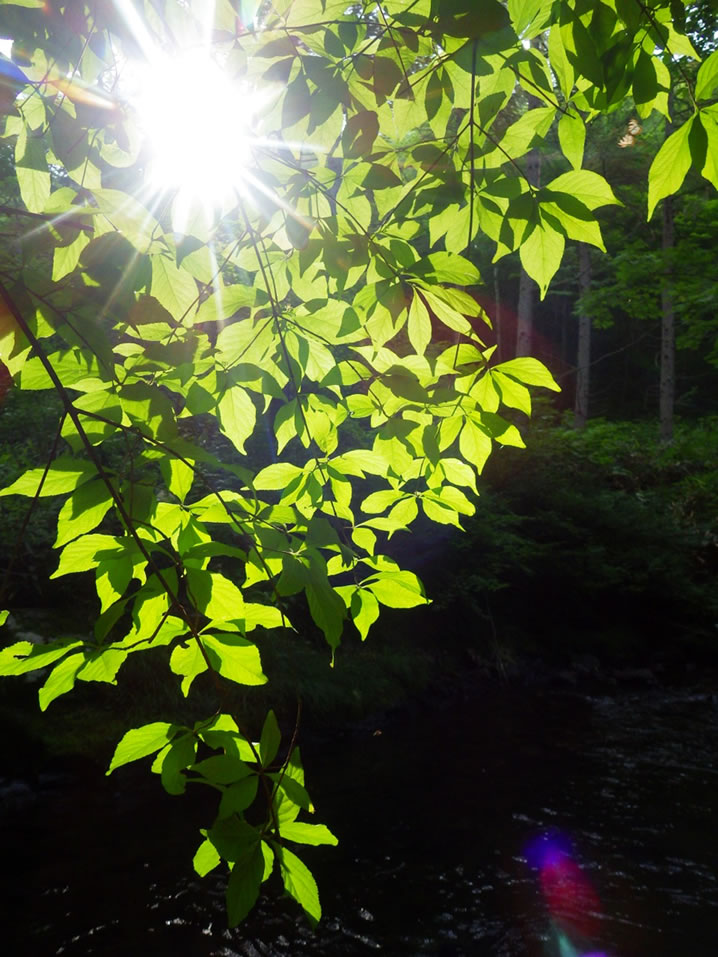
x,y
198,125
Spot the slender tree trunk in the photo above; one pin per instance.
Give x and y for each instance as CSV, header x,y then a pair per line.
x,y
527,287
497,314
583,363
668,333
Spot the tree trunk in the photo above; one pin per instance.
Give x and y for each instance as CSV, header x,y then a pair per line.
x,y
583,362
668,335
498,318
527,287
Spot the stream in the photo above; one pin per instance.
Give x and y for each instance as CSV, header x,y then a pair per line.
x,y
437,815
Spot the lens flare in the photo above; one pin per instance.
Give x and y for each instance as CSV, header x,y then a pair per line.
x,y
570,898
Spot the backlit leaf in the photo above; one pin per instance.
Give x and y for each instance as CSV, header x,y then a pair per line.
x,y
419,325
302,833
87,552
299,883
64,475
529,371
364,610
237,416
244,883
83,511
214,594
397,589
270,739
475,445
669,168
588,187
60,680
541,254
707,78
710,168
206,858
25,656
235,658
572,137
140,742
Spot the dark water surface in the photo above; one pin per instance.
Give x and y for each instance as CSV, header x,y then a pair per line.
x,y
434,816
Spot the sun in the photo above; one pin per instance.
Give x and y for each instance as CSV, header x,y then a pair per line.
x,y
199,129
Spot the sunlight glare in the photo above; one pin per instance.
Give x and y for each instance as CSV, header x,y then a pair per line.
x,y
198,125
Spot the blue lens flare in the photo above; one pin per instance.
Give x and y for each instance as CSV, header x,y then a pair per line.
x,y
569,896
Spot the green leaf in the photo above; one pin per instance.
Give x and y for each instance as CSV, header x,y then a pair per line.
x,y
174,288
75,367
60,680
575,219
83,511
645,83
263,616
359,134
235,658
529,371
447,267
505,433
102,665
244,883
670,165
313,834
524,12
222,769
299,883
215,595
188,661
87,552
276,476
239,796
178,475
270,739
541,254
397,589
173,760
512,393
707,78
326,607
33,175
140,742
127,215
572,137
237,416
64,475
419,325
225,303
291,788
475,445
519,137
364,610
25,656
66,258
588,187
560,64
710,169
206,858
447,314
3,616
